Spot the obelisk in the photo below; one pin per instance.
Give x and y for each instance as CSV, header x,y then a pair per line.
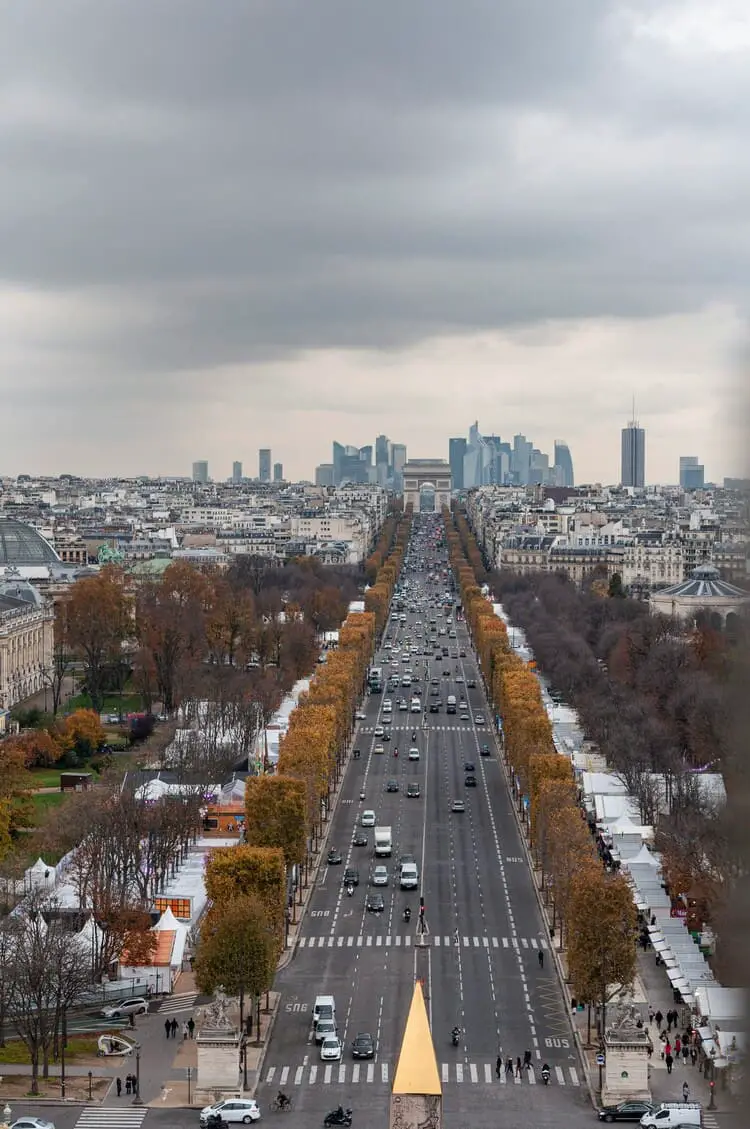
x,y
417,1096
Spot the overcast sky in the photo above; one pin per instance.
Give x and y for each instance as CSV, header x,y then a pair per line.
x,y
277,223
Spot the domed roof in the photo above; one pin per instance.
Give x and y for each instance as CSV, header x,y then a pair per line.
x,y
20,545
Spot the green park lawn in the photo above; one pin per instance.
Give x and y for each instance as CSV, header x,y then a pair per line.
x,y
43,802
46,777
15,1052
128,703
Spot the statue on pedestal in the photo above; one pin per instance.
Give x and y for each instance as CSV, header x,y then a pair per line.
x,y
215,1016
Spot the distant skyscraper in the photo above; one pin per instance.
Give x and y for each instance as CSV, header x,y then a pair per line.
x,y
324,474
236,472
520,462
692,473
382,460
200,471
633,463
278,472
398,454
564,464
264,464
456,452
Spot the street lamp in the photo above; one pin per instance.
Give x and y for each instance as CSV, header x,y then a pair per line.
x,y
137,1099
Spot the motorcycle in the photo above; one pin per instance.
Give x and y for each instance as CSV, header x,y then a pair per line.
x,y
545,1075
455,1036
361,795
407,915
338,1117
350,891
395,752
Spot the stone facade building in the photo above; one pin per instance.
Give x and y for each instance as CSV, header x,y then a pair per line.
x,y
26,640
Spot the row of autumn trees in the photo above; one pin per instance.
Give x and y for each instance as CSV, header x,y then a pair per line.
x,y
79,734
249,886
592,910
166,634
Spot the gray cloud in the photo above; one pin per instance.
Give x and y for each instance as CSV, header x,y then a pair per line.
x,y
239,182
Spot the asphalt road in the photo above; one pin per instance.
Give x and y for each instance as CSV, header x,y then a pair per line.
x,y
480,964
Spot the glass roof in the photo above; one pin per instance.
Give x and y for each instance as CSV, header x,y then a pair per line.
x,y
22,545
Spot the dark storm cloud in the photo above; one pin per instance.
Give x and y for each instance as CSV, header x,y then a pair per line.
x,y
276,176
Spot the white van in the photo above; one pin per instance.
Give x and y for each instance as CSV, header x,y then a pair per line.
x,y
409,877
324,1008
671,1114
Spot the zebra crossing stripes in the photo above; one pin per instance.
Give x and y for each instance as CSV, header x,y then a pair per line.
x,y
388,940
378,1073
111,1117
183,1001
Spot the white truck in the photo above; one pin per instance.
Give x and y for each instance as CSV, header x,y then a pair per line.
x,y
383,842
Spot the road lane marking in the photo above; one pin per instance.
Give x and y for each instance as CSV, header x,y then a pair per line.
x,y
369,941
283,1076
359,942
271,1072
574,1076
313,1075
349,942
340,942
327,1075
298,1075
488,1073
321,942
370,1072
560,1075
459,1072
384,1071
444,1072
355,1072
473,1072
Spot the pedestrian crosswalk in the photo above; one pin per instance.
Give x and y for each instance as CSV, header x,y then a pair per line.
x,y
379,1074
182,1001
111,1117
405,940
407,727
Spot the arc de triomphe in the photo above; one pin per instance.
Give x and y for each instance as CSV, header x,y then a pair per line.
x,y
427,472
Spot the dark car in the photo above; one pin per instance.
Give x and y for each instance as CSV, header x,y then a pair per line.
x,y
462,653
413,791
435,707
484,751
434,681
386,735
375,903
625,1111
446,674
360,839
335,858
469,767
392,786
351,877
471,683
363,1046
470,781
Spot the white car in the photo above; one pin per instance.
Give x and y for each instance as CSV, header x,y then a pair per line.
x,y
330,1050
234,1111
367,818
361,715
379,731
136,1005
414,753
380,876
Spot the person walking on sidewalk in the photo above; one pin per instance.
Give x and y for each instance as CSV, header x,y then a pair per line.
x,y
669,1060
191,1026
167,1027
509,1066
677,1047
185,1032
519,1068
499,1066
693,1055
173,1028
658,1017
119,1087
540,958
127,1085
685,1091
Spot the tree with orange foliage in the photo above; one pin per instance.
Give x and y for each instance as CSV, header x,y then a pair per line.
x,y
98,616
37,747
83,731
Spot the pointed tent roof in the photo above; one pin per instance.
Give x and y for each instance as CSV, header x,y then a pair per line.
x,y
644,856
417,1070
90,930
167,922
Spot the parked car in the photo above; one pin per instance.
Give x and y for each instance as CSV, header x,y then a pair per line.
x,y
625,1111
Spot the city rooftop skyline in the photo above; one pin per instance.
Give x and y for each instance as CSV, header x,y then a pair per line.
x,y
529,232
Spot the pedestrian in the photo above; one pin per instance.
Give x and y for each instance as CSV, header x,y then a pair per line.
x,y
677,1047
669,1060
191,1026
693,1056
670,1018
127,1085
499,1066
540,958
650,1048
184,1032
685,1091
167,1027
527,1060
667,1049
650,1015
119,1086
173,1028
518,1067
509,1066
658,1017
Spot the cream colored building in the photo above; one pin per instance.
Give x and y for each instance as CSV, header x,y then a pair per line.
x,y
26,640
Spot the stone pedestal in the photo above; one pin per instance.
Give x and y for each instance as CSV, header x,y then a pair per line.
x,y
416,1111
626,1066
218,1061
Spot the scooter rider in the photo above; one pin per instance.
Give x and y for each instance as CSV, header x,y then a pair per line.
x,y
455,1035
349,889
407,913
545,1074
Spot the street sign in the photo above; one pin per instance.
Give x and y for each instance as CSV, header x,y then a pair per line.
x,y
600,1059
